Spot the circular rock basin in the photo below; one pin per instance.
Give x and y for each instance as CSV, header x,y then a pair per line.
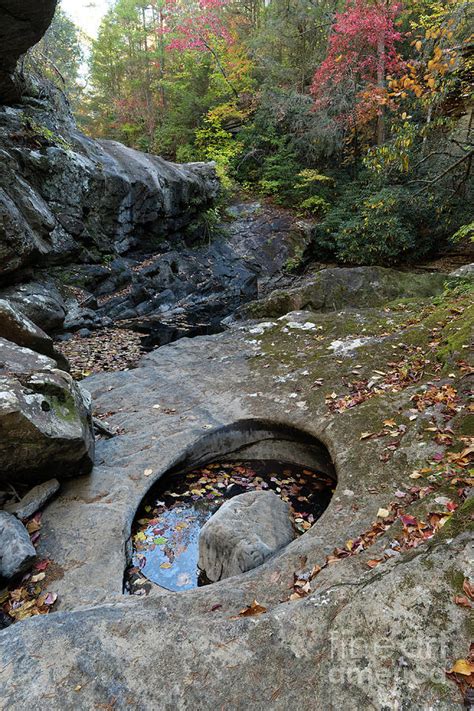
x,y
165,533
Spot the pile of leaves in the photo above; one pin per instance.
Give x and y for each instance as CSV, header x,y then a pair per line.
x,y
28,597
170,518
109,349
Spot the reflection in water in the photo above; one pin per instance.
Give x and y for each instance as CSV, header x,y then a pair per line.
x,y
165,535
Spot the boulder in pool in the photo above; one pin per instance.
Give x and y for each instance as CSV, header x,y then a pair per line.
x,y
243,533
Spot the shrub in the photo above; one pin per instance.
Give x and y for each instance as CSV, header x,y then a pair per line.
x,y
367,228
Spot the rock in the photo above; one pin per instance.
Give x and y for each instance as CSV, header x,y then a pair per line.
x,y
21,26
19,329
339,287
20,360
467,270
243,533
35,499
17,552
78,199
45,419
41,303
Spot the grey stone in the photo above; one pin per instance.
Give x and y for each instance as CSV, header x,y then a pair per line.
x,y
19,329
42,303
45,419
467,270
243,533
336,288
78,196
21,26
17,553
35,499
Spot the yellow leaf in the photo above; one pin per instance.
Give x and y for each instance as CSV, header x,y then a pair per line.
x,y
419,45
165,565
462,666
383,513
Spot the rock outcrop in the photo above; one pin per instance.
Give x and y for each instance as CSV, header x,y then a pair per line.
x,y
18,329
65,197
347,287
359,636
243,533
22,25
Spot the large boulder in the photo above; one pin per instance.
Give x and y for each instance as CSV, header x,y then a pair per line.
x,y
65,197
243,533
45,419
22,24
336,288
18,329
40,303
17,552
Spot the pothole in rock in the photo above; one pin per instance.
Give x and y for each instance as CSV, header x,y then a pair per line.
x,y
165,535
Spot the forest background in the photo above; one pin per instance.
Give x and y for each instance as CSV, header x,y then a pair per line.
x,y
356,113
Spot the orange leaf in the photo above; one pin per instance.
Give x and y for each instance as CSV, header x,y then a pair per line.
x,y
253,609
374,562
463,601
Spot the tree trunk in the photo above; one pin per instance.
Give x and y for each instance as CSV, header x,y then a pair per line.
x,y
381,86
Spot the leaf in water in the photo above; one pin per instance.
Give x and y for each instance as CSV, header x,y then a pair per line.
x,y
160,540
253,609
165,565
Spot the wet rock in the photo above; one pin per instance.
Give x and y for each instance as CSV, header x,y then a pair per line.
x,y
18,329
35,499
42,303
17,553
45,419
243,533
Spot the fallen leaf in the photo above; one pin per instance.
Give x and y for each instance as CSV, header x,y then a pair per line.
x,y
253,609
462,601
462,666
374,562
148,472
383,513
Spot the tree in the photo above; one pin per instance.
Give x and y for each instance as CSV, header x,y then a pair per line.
x,y
59,54
362,50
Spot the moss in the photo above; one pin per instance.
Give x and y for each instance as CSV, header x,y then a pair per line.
x,y
456,337
461,521
455,579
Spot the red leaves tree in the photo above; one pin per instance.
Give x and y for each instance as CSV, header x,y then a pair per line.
x,y
362,51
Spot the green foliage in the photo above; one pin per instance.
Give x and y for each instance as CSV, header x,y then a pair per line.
x,y
58,55
207,226
464,232
369,228
42,134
